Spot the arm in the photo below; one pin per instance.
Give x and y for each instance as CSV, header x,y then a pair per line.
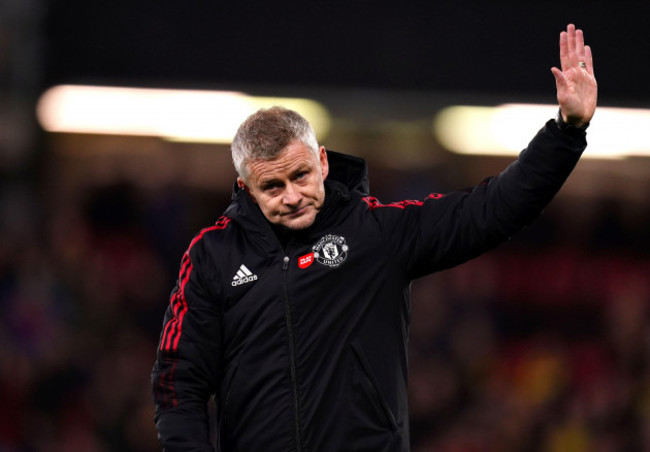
x,y
186,369
464,224
444,231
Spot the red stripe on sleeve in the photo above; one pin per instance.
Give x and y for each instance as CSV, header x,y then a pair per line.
x,y
178,301
175,304
374,203
178,304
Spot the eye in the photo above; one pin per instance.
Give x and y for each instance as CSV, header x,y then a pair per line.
x,y
271,187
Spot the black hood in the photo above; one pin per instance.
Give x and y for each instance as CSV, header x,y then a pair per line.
x,y
349,170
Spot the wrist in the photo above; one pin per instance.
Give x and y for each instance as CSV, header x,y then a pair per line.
x,y
566,126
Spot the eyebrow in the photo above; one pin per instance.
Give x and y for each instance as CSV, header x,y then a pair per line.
x,y
269,183
302,167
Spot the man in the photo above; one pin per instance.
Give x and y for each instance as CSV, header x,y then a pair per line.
x,y
292,310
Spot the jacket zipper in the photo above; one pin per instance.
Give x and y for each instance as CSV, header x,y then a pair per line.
x,y
292,355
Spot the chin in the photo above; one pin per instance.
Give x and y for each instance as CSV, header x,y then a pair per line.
x,y
299,224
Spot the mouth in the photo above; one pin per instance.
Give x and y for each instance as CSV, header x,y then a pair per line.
x,y
296,213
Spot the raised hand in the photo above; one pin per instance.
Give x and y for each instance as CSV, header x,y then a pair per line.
x,y
577,90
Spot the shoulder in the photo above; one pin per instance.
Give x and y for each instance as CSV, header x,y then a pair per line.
x,y
210,239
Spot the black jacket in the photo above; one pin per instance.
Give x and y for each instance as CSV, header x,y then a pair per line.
x,y
305,346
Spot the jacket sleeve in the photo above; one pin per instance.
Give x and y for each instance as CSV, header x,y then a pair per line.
x,y
446,230
186,369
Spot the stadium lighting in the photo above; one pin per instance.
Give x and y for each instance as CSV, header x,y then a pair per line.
x,y
178,115
615,133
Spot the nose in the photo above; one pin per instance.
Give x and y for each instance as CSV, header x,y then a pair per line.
x,y
291,195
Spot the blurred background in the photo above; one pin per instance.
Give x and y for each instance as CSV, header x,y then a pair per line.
x,y
540,345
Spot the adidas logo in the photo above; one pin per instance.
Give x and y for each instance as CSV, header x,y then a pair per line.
x,y
243,276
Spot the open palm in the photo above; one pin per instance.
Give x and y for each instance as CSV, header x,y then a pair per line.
x,y
577,90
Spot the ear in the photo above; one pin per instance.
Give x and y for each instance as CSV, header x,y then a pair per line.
x,y
242,184
324,164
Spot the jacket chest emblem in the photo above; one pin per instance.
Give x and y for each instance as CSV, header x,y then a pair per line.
x,y
331,250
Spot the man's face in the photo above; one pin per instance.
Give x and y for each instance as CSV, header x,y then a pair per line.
x,y
289,189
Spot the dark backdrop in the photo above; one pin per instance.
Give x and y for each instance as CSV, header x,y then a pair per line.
x,y
469,46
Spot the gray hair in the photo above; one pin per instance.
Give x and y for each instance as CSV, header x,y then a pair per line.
x,y
266,133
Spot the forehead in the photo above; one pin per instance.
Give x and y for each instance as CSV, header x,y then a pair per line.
x,y
295,156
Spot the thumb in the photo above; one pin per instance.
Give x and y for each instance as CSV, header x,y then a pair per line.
x,y
560,81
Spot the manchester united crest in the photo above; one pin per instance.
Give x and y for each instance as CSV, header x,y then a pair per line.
x,y
331,250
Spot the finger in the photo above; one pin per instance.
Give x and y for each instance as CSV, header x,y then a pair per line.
x,y
560,80
571,35
571,39
589,60
564,51
580,45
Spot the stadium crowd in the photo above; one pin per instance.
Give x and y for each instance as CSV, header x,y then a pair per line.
x,y
540,345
